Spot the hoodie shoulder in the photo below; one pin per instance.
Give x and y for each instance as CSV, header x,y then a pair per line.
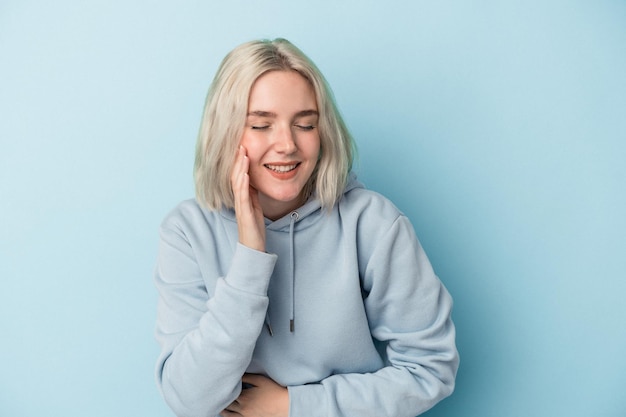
x,y
185,210
189,214
369,206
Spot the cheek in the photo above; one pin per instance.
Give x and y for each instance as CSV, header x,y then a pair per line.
x,y
245,141
315,149
253,147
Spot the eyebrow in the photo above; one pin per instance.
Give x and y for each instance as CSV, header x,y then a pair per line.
x,y
302,113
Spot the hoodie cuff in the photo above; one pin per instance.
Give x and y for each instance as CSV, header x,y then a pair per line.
x,y
307,400
251,270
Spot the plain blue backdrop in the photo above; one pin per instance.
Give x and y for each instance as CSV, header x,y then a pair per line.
x,y
499,128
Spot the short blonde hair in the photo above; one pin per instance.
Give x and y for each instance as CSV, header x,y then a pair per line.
x,y
225,113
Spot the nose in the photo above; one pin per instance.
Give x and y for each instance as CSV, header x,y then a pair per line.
x,y
285,140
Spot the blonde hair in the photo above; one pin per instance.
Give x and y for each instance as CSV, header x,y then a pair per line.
x,y
225,113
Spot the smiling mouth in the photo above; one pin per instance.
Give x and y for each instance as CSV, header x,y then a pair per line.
x,y
281,169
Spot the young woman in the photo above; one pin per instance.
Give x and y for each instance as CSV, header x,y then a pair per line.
x,y
286,288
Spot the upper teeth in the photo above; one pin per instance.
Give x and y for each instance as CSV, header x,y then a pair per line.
x,y
281,168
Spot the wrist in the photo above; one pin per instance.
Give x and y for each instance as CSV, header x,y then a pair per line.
x,y
250,270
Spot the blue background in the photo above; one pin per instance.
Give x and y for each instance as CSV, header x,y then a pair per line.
x,y
497,127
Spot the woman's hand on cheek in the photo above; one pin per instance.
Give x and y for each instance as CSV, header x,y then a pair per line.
x,y
265,398
250,220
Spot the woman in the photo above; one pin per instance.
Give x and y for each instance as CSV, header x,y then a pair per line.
x,y
286,288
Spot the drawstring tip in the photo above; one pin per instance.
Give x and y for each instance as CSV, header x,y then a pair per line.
x,y
269,329
291,326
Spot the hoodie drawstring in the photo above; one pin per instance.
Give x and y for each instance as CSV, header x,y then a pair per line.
x,y
292,267
294,218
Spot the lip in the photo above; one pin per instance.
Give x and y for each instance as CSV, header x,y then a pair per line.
x,y
280,174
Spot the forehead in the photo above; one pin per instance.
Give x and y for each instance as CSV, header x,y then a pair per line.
x,y
282,91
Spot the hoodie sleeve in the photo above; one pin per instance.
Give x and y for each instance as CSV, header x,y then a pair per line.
x,y
206,341
409,311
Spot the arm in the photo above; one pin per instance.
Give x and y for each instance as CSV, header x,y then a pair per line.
x,y
206,342
409,313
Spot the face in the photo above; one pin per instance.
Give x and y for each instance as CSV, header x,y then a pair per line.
x,y
281,139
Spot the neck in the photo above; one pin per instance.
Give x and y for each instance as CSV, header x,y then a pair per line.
x,y
274,210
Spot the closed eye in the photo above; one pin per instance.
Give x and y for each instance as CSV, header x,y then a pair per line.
x,y
305,127
259,127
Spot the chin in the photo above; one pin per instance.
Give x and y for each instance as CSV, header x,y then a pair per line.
x,y
284,197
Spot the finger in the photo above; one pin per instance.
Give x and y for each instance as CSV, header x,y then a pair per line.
x,y
239,182
240,178
239,169
234,407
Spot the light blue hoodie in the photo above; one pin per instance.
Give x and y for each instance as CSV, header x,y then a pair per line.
x,y
360,324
